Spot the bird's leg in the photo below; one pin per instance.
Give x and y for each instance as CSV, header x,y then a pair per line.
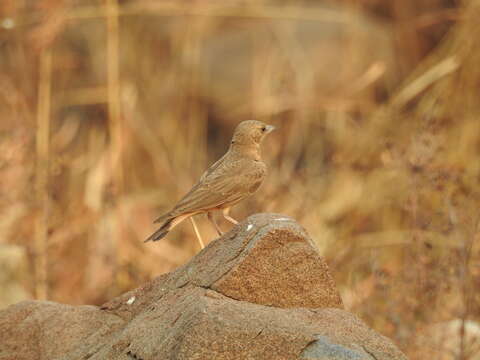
x,y
199,237
212,220
229,218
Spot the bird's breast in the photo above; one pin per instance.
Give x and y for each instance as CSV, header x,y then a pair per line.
x,y
255,176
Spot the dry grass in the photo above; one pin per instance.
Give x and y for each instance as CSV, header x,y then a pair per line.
x,y
111,110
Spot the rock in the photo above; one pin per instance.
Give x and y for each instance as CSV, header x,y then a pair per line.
x,y
259,292
323,348
47,330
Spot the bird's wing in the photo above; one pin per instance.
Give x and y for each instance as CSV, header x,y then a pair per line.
x,y
228,183
213,167
207,174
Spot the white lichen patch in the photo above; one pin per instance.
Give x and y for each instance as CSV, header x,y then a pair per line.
x,y
283,219
131,300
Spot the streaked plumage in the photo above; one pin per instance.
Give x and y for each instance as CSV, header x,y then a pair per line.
x,y
235,176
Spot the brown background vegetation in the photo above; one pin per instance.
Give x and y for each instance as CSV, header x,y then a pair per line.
x,y
110,111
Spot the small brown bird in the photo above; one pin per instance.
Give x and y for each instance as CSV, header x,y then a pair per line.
x,y
237,175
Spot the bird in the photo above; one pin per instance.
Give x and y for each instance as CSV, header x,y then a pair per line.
x,y
234,177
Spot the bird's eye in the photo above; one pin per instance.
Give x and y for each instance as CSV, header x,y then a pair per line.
x,y
264,128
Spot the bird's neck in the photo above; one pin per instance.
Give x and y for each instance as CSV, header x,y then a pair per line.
x,y
249,151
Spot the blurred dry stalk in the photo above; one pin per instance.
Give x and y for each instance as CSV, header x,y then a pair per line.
x,y
114,116
42,174
377,152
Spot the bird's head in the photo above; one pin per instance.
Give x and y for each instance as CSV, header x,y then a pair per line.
x,y
251,132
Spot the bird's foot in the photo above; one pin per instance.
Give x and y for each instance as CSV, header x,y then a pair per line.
x,y
229,218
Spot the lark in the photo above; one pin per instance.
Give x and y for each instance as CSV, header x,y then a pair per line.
x,y
235,176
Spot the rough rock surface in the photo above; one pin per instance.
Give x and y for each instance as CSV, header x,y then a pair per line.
x,y
260,292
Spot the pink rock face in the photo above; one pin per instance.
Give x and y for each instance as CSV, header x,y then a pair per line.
x,y
260,292
280,269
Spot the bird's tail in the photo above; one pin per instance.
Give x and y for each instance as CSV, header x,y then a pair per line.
x,y
166,226
168,222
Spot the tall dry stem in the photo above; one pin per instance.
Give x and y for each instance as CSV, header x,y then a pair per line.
x,y
42,173
114,117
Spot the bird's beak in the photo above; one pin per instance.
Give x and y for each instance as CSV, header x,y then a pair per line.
x,y
269,129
